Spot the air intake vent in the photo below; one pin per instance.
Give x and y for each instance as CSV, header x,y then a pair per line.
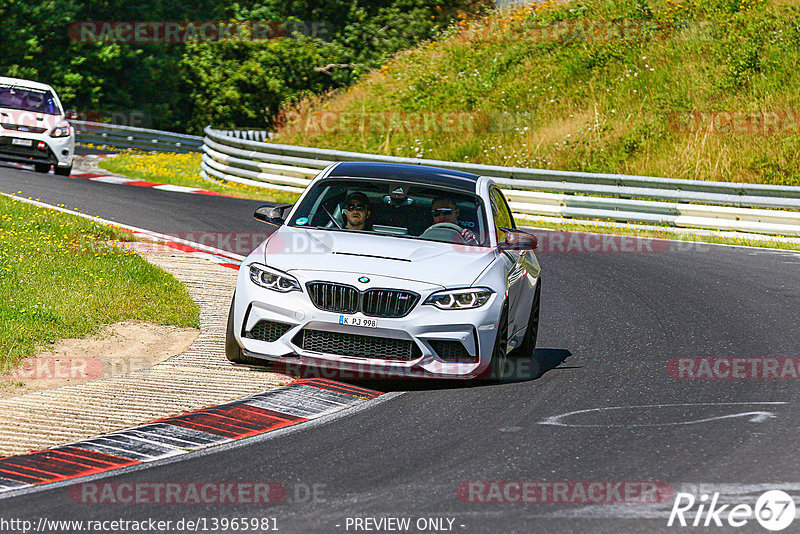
x,y
356,345
452,351
268,330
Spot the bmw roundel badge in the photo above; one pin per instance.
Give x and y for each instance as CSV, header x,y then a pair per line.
x,y
363,279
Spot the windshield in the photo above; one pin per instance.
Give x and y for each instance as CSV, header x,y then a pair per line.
x,y
27,99
394,208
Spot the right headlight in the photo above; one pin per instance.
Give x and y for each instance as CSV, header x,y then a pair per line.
x,y
273,279
62,130
460,299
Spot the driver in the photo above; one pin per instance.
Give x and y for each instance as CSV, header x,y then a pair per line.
x,y
34,102
444,210
357,212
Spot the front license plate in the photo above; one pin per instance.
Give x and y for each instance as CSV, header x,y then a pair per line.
x,y
22,142
357,321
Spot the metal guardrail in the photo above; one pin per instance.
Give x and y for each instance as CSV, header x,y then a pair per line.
x,y
131,137
535,192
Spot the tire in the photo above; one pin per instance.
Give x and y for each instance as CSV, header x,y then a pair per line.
x,y
499,357
232,349
42,167
63,171
526,349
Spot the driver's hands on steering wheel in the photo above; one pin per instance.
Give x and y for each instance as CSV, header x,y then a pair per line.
x,y
469,236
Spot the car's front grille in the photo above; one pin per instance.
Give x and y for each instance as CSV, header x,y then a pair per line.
x,y
268,330
334,297
357,345
342,298
388,302
452,351
17,127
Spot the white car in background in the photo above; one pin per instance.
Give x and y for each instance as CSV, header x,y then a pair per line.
x,y
394,270
34,127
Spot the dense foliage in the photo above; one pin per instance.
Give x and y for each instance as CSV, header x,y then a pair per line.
x,y
700,89
186,85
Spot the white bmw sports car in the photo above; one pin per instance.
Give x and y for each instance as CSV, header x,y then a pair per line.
x,y
391,270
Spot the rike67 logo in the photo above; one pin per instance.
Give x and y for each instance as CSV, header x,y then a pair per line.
x,y
774,510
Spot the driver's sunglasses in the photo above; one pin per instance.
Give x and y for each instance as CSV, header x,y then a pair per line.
x,y
356,207
441,211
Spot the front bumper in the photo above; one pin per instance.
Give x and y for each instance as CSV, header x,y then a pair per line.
x,y
58,151
415,346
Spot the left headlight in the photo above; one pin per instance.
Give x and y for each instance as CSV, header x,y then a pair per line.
x,y
62,130
460,299
273,279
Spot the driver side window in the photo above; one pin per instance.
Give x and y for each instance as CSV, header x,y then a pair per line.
x,y
501,213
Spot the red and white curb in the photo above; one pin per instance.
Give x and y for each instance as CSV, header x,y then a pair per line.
x,y
164,243
298,402
109,179
121,180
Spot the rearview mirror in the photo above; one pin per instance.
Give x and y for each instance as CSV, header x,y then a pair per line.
x,y
272,214
516,239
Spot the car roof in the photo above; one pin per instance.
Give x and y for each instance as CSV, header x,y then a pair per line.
x,y
420,174
29,84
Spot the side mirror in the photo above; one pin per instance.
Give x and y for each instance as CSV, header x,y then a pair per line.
x,y
272,214
517,239
71,114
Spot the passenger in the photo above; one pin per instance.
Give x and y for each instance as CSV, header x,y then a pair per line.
x,y
357,212
444,210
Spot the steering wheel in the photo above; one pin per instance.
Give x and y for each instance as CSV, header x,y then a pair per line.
x,y
449,226
444,231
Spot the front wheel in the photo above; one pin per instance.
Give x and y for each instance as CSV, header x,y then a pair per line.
x,y
499,358
41,167
63,171
232,349
528,345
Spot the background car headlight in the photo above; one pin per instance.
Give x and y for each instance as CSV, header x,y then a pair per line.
x,y
272,279
62,130
460,299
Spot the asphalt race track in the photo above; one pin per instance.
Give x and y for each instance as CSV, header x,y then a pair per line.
x,y
611,322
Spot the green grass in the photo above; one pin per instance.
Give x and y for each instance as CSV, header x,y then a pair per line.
x,y
184,169
61,278
544,94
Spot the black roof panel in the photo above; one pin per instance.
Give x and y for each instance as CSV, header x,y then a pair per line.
x,y
421,174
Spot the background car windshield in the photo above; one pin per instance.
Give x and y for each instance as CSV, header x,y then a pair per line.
x,y
27,99
397,208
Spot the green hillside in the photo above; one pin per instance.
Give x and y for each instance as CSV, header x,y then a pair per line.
x,y
685,89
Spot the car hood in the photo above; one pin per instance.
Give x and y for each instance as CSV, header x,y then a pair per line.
x,y
448,265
